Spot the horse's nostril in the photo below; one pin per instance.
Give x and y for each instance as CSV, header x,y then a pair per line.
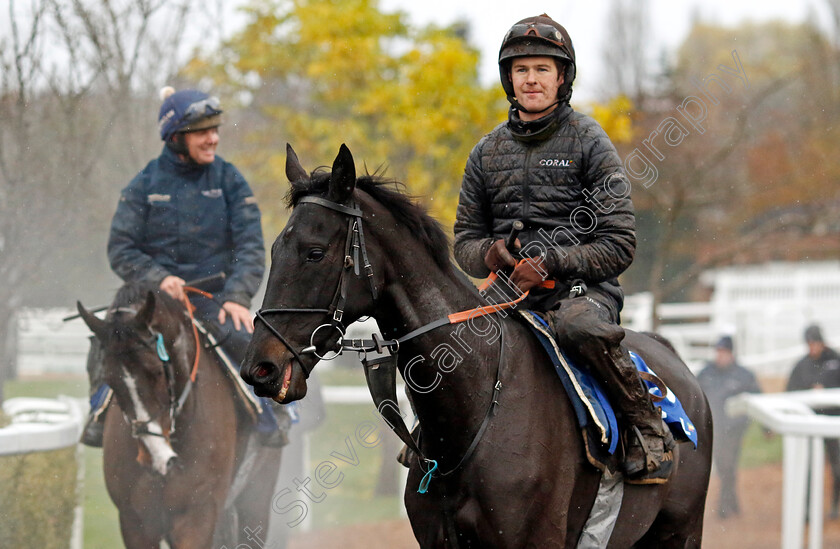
x,y
262,371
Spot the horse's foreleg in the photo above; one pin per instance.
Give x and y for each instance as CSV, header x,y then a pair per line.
x,y
194,530
253,505
134,535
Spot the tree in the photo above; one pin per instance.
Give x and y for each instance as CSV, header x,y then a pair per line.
x,y
317,74
624,53
74,103
702,192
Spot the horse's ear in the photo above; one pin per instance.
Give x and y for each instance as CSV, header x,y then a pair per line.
x,y
343,177
147,311
294,171
96,324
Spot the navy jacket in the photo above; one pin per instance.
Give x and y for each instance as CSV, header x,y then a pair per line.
x,y
189,221
720,384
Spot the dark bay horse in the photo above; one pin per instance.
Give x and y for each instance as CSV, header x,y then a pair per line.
x,y
171,452
520,479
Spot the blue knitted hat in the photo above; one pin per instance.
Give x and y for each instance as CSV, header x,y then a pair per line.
x,y
187,111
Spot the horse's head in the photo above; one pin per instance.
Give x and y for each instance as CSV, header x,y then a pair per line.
x,y
326,272
145,347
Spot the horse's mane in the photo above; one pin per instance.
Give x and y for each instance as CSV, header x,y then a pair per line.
x,y
401,205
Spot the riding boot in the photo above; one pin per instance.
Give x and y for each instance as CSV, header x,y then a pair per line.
x,y
648,443
93,433
99,396
95,427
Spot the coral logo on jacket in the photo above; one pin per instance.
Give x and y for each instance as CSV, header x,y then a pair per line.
x,y
556,163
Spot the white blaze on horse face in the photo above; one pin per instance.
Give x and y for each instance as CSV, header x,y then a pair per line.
x,y
158,447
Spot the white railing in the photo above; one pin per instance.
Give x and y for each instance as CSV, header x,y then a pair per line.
x,y
41,425
792,415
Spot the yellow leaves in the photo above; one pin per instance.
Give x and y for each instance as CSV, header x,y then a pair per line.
x,y
616,117
399,97
328,72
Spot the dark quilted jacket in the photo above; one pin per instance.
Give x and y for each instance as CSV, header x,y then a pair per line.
x,y
189,221
565,180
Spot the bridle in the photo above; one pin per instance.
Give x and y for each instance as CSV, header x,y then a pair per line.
x,y
354,247
380,373
175,402
140,428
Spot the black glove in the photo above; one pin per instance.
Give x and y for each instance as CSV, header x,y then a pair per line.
x,y
498,257
529,273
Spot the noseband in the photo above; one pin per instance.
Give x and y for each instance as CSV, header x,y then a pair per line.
x,y
354,245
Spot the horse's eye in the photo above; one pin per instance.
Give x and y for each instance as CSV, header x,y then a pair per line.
x,y
315,255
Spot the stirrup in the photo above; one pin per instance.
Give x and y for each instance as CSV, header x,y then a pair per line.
x,y
653,471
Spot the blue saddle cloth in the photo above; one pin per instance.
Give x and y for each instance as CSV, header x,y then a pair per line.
x,y
589,401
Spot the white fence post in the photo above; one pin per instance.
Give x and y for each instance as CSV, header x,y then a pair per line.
x,y
41,425
792,415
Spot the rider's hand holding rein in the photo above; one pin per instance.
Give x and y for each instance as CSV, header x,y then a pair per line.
x,y
174,286
529,273
498,257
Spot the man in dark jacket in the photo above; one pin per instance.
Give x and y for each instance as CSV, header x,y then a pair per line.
x,y
189,215
721,380
557,171
819,369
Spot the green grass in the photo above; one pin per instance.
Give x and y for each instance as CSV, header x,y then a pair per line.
x,y
101,525
759,448
350,373
353,500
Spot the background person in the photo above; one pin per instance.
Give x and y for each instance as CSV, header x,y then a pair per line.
x,y
722,379
819,369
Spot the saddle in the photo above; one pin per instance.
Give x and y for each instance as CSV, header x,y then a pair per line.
x,y
596,416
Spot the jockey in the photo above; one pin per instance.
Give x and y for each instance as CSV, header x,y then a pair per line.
x,y
188,215
557,171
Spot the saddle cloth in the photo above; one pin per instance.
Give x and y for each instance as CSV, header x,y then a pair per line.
x,y
594,412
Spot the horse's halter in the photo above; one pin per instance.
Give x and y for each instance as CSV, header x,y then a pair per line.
x,y
141,428
176,403
353,246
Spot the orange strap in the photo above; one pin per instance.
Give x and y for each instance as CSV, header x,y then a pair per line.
x,y
463,316
190,308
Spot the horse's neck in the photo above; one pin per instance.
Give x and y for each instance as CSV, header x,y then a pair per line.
x,y
449,402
